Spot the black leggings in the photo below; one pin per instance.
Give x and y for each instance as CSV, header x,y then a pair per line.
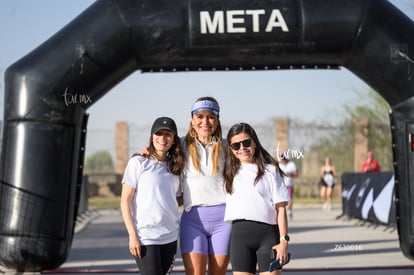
x,y
156,259
251,243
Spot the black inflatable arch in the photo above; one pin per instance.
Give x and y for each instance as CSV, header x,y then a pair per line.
x,y
43,138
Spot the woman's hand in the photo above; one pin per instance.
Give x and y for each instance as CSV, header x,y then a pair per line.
x,y
281,252
135,247
145,151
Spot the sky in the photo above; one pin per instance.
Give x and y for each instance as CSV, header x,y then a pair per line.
x,y
249,96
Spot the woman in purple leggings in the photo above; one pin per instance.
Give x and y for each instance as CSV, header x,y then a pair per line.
x,y
204,235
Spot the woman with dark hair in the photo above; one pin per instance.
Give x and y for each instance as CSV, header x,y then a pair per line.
x,y
255,203
327,182
149,199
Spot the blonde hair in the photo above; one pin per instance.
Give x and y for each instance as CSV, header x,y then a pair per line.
x,y
190,141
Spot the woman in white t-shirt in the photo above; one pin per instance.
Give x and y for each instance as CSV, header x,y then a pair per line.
x,y
149,200
255,203
289,169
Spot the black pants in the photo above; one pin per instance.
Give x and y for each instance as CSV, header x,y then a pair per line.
x,y
156,259
251,243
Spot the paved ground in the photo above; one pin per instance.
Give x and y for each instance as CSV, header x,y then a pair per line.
x,y
321,243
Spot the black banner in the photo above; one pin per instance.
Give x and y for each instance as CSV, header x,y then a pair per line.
x,y
369,196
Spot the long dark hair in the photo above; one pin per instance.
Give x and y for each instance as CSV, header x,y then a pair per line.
x,y
260,157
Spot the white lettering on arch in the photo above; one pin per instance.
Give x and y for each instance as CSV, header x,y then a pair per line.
x,y
276,20
208,25
234,21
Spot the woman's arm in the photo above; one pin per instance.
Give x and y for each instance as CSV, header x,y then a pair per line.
x,y
282,247
126,211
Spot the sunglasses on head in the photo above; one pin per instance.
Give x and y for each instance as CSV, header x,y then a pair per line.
x,y
236,145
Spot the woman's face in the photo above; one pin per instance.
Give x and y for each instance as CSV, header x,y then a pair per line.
x,y
163,140
242,147
205,124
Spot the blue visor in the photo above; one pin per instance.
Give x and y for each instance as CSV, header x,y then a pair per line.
x,y
205,105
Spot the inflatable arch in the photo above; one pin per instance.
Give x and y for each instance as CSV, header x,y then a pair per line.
x,y
43,138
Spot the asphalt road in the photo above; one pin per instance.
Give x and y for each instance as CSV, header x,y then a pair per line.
x,y
321,243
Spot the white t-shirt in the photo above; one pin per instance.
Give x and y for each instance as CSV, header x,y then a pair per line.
x,y
288,168
155,206
252,201
202,188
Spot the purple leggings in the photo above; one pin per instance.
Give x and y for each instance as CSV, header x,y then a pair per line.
x,y
203,230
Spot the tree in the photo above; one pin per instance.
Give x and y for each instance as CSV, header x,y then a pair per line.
x,y
376,110
100,161
337,142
